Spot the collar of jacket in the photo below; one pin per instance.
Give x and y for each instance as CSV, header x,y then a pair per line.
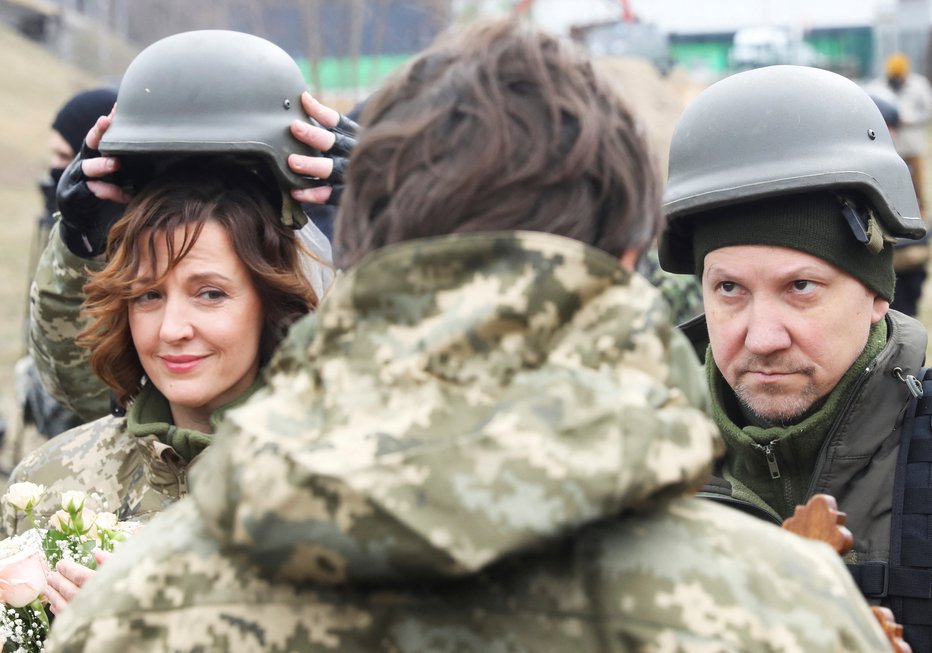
x,y
150,414
455,400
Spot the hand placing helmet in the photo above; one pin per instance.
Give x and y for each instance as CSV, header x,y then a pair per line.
x,y
204,93
211,92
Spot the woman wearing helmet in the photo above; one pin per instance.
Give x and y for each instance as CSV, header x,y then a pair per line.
x,y
199,280
192,94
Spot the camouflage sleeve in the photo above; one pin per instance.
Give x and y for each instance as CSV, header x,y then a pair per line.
x,y
682,292
689,371
54,322
680,578
9,519
689,582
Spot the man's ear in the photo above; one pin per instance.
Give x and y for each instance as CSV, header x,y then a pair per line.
x,y
880,308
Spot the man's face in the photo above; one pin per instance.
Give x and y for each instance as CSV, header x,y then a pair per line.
x,y
784,325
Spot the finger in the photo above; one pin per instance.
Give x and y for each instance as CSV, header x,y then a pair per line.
x,y
319,139
75,574
97,131
323,114
311,166
339,169
62,586
342,144
335,195
103,190
318,195
102,556
99,166
57,602
347,126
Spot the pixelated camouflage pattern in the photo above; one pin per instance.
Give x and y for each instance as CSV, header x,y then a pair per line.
x,y
55,305
133,476
477,444
683,292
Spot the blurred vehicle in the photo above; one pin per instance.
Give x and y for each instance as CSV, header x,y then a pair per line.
x,y
755,47
622,39
626,37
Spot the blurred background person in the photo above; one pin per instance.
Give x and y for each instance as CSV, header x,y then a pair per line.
x,y
910,257
911,94
73,120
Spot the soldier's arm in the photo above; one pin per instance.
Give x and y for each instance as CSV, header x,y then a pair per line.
x,y
55,320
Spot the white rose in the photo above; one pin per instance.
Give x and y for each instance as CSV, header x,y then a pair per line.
x,y
59,520
85,521
106,521
129,527
73,500
24,495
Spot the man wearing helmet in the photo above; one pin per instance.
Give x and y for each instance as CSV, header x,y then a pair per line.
x,y
785,195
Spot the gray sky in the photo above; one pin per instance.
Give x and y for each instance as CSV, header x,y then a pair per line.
x,y
726,15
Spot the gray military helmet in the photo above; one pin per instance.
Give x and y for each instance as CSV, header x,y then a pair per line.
x,y
781,130
211,92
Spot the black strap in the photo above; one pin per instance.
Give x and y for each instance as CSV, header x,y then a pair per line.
x,y
924,405
877,580
871,578
916,552
918,501
915,613
920,451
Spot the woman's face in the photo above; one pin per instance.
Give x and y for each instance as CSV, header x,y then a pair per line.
x,y
197,332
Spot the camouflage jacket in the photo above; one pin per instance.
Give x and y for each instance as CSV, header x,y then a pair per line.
x,y
55,304
476,444
134,466
133,476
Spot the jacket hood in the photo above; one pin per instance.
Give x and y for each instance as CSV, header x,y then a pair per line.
x,y
454,401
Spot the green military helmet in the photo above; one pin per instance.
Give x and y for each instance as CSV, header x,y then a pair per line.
x,y
211,92
781,130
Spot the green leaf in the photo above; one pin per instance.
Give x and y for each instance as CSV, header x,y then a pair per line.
x,y
50,546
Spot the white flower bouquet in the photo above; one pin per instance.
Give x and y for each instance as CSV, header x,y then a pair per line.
x,y
71,534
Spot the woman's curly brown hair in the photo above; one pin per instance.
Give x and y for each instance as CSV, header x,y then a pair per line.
x,y
184,198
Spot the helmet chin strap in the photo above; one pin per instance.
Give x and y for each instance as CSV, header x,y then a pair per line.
x,y
292,214
864,225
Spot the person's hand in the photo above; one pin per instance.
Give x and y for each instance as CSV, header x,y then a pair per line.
x,y
89,205
336,139
67,579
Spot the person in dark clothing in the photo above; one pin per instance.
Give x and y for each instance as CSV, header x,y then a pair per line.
x,y
910,257
68,129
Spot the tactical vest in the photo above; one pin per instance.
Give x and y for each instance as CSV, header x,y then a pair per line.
x,y
904,584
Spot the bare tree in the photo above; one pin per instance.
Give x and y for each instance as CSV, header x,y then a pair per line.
x,y
356,27
310,19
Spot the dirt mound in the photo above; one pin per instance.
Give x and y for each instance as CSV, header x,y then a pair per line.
x,y
657,100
